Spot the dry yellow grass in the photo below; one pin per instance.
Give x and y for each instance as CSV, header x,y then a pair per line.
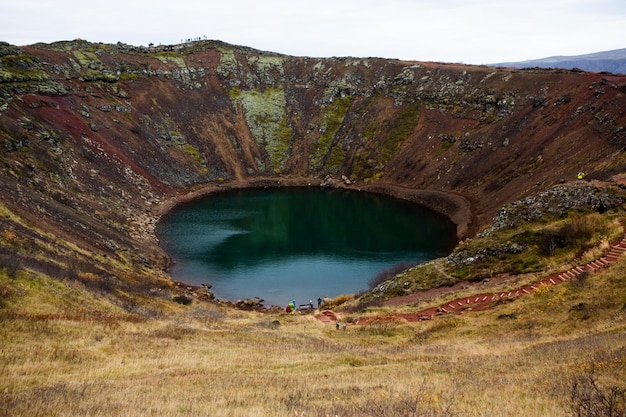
x,y
64,352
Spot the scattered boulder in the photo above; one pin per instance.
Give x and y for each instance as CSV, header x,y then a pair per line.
x,y
250,303
183,299
204,293
556,202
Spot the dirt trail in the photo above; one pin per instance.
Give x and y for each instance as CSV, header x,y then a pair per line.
x,y
483,301
327,316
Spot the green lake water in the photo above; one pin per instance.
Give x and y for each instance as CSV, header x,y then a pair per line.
x,y
298,243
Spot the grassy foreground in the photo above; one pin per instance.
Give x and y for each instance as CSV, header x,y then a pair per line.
x,y
65,352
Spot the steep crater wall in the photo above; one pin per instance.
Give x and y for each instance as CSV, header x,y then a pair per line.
x,y
98,139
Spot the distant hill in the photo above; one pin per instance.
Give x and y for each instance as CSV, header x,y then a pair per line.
x,y
608,61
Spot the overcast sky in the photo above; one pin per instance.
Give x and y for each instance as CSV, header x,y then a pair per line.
x,y
468,31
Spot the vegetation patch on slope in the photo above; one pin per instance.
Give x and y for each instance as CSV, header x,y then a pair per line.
x,y
528,237
267,120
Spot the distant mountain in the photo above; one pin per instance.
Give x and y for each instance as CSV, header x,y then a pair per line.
x,y
608,61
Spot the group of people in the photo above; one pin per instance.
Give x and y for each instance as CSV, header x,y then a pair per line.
x,y
292,306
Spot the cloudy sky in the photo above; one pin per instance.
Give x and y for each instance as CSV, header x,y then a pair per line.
x,y
468,31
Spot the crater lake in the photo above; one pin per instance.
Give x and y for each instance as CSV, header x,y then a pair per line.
x,y
303,243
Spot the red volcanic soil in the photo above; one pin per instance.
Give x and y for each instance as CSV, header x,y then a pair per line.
x,y
327,316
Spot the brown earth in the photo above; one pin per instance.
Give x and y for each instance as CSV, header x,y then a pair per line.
x,y
100,140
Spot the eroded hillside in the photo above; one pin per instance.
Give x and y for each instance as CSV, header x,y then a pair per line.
x,y
98,138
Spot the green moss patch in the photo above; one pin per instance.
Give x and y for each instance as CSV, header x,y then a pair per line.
x,y
400,131
18,68
266,117
332,119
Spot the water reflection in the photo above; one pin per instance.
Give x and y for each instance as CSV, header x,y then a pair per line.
x,y
281,243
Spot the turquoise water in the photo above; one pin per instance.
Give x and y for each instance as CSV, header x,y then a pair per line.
x,y
298,243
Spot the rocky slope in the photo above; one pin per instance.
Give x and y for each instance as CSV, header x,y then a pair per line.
x,y
98,140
